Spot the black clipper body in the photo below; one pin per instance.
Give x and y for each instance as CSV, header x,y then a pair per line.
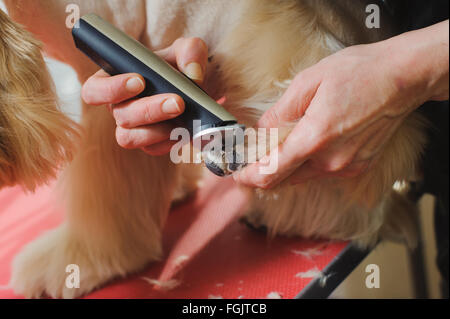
x,y
117,53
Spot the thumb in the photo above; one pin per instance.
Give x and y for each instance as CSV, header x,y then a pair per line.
x,y
294,102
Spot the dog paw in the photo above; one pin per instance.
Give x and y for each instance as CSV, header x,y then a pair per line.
x,y
56,265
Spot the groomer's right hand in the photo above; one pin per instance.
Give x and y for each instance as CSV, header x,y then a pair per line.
x,y
141,123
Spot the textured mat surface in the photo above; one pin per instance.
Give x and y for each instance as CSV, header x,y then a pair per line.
x,y
208,251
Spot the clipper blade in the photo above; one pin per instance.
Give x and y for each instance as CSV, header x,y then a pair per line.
x,y
220,163
224,154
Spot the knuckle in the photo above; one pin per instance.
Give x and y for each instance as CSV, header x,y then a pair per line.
x,y
110,93
147,115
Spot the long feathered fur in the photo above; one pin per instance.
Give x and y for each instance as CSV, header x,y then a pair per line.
x,y
35,137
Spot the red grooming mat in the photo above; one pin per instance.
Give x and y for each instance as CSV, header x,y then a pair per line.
x,y
208,252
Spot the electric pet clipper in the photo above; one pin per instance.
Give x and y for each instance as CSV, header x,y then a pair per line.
x,y
117,53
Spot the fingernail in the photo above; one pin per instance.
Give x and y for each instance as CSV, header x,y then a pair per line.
x,y
194,71
170,106
134,85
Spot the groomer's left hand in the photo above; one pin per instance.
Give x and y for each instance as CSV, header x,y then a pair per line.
x,y
349,105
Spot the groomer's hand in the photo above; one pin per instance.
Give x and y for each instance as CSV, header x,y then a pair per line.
x,y
349,105
141,123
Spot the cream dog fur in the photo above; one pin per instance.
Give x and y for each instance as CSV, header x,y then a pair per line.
x,y
118,200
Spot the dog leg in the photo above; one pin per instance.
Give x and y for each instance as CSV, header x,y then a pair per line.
x,y
189,177
400,221
118,201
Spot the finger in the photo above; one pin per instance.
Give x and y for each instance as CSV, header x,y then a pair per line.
x,y
101,88
339,155
189,55
148,110
254,175
143,136
294,102
305,139
159,149
286,158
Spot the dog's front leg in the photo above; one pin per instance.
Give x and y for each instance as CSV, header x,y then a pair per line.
x,y
117,202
